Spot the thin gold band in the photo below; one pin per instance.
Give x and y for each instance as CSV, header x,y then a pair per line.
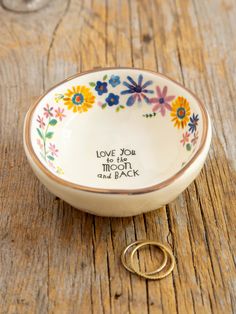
x,y
123,258
145,275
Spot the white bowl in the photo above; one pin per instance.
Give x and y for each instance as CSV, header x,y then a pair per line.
x,y
117,141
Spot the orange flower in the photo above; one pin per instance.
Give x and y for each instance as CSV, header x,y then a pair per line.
x,y
80,99
180,112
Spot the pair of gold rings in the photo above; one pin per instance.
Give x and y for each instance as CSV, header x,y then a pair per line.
x,y
167,263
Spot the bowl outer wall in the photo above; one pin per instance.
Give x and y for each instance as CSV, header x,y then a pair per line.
x,y
122,205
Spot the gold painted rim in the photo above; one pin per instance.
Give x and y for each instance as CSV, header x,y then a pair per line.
x,y
27,129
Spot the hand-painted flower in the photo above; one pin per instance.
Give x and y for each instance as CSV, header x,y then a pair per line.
x,y
41,122
59,113
195,138
59,170
40,144
162,101
112,99
114,80
48,111
53,149
51,164
193,123
137,89
100,103
80,99
185,138
180,112
101,87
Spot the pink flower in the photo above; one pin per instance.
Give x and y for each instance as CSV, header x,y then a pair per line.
x,y
161,101
41,122
185,138
47,111
40,144
99,103
59,113
195,138
53,149
51,164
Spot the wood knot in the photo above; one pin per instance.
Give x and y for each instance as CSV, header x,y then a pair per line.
x,y
117,295
147,38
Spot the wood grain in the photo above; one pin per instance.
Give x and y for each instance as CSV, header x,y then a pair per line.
x,y
55,259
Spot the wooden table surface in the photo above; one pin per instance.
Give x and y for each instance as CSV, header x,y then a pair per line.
x,y
56,259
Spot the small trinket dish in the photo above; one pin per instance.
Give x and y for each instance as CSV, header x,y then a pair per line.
x,y
117,141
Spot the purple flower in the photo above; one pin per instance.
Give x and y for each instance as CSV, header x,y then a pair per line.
x,y
41,122
193,123
138,90
48,111
101,87
162,101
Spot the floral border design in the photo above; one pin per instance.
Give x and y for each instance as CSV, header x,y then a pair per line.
x,y
48,150
103,93
101,87
180,114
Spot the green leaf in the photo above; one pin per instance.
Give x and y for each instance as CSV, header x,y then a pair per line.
x,y
40,133
50,157
92,84
117,109
104,106
49,134
105,77
188,147
122,107
53,122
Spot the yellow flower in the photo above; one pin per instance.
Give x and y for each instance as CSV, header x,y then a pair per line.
x,y
59,170
80,99
180,112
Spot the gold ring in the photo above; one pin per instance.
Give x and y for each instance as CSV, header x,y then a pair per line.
x,y
123,259
145,275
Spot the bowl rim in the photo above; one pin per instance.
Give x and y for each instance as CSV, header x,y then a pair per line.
x,y
147,189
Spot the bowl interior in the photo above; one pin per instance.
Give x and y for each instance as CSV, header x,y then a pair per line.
x,y
116,129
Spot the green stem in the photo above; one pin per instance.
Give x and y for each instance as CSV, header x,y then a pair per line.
x,y
44,139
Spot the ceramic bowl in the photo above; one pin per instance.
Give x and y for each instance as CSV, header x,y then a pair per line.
x,y
117,141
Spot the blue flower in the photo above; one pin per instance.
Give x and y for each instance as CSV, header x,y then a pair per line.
x,y
114,80
112,99
138,90
101,87
193,123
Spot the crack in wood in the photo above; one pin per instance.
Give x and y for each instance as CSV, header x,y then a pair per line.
x,y
54,33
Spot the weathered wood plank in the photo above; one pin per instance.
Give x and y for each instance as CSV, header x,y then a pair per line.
x,y
55,259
